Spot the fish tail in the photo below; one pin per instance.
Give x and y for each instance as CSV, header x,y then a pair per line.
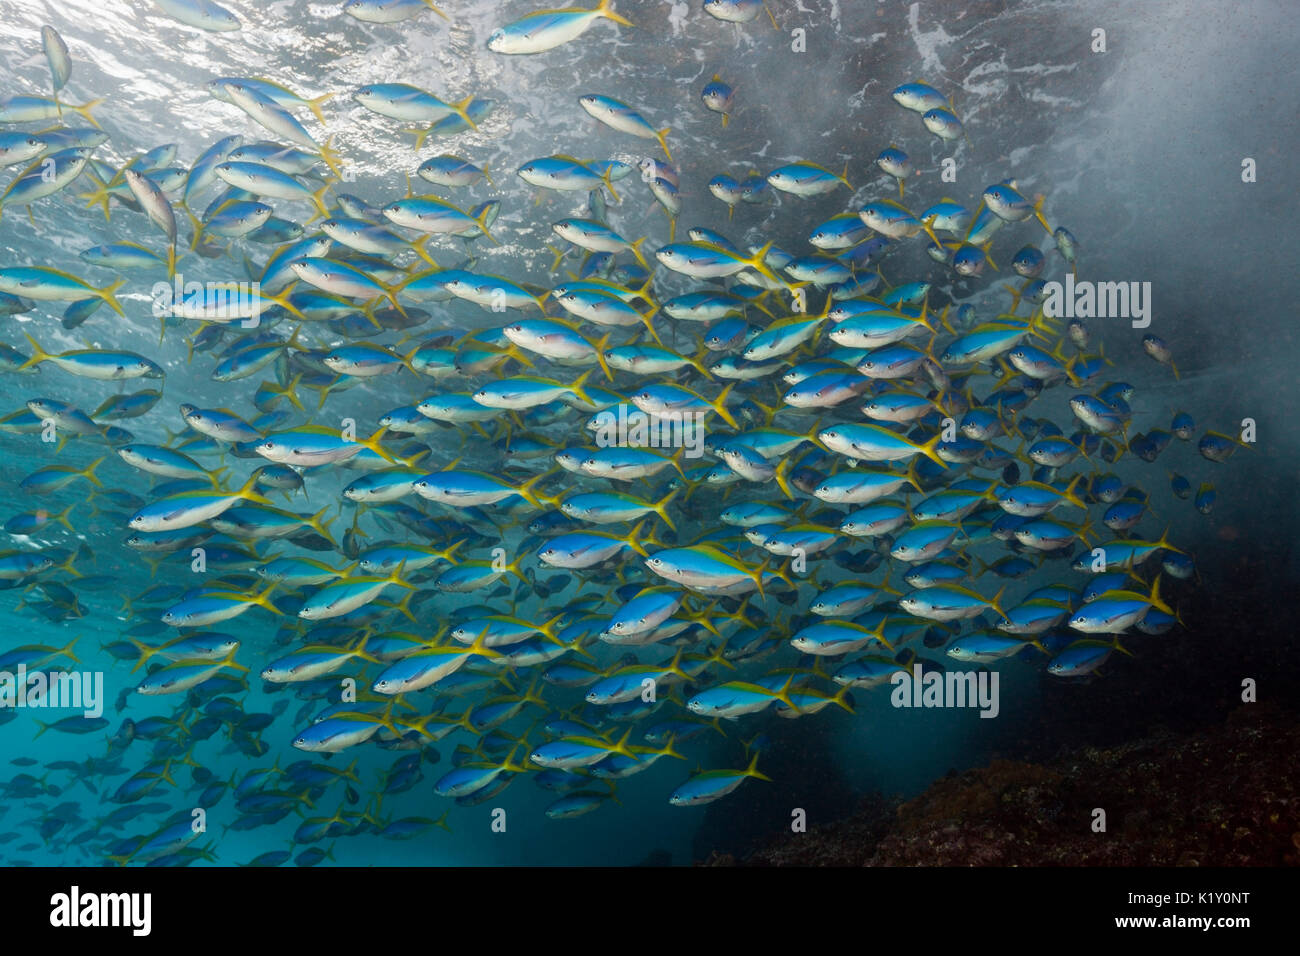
x,y
661,135
196,224
482,219
1038,214
404,605
577,389
559,255
720,406
621,747
606,10
929,449
318,200
1015,299
609,183
996,603
262,600
229,661
418,246
294,342
987,255
636,251
704,369
39,354
107,295
330,157
462,109
320,524
646,317
314,104
752,769
1072,496
633,539
390,293
248,493
420,135
676,459
549,627
99,195
373,444
395,577
290,392
526,491
757,576
667,749
85,108
758,263
89,472
146,652
1156,602
879,633
928,226
704,621
67,651
62,518
487,175
782,477
480,647
661,508
599,347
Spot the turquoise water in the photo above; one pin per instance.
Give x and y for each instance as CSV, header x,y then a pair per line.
x,y
1138,151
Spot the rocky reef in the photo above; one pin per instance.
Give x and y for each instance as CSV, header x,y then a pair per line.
x,y
1222,796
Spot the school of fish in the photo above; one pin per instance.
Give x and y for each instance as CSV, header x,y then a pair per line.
x,y
686,483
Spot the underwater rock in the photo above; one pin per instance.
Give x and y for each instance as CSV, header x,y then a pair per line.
x,y
1234,786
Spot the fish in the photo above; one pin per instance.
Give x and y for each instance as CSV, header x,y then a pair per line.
x,y
388,11
718,97
713,785
203,14
621,117
50,285
491,554
547,29
737,11
99,364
